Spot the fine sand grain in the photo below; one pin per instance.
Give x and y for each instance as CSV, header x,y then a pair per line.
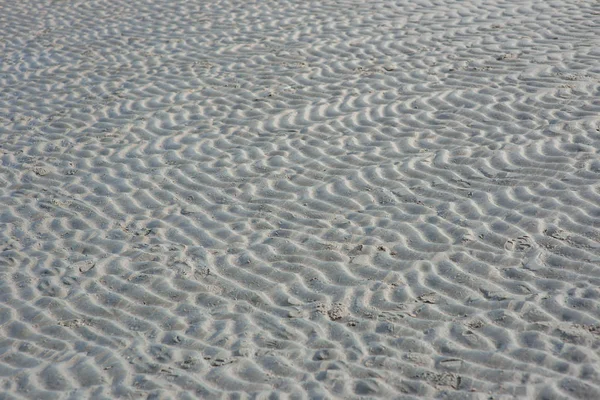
x,y
299,199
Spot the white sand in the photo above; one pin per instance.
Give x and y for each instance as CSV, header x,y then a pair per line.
x,y
295,199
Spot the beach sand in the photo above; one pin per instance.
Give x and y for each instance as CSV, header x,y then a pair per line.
x,y
299,199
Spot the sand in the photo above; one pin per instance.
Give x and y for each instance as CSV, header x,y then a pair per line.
x,y
299,199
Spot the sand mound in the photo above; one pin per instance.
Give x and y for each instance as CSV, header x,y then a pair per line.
x,y
291,199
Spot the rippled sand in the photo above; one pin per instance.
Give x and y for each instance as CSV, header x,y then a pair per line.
x,y
299,199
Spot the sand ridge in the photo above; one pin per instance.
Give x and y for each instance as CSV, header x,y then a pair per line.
x,y
285,199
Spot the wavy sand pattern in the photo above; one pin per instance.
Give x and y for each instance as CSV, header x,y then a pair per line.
x,y
299,199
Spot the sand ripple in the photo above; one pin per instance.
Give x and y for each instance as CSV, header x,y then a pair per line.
x,y
285,199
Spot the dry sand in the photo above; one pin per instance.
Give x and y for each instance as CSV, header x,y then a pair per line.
x,y
299,199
